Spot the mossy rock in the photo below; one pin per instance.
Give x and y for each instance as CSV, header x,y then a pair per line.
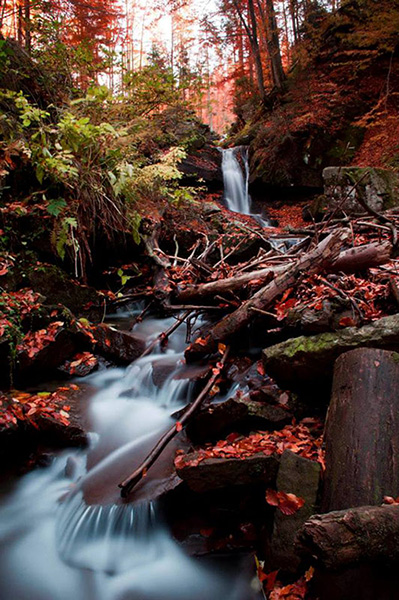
x,y
57,288
305,364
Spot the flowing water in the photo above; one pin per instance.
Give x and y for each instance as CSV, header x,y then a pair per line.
x,y
235,181
64,531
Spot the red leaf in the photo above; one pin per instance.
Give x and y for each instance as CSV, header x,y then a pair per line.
x,y
272,497
288,504
179,426
347,322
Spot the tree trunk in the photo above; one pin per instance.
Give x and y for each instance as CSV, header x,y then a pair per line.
x,y
312,262
252,33
347,537
273,45
28,36
256,51
362,430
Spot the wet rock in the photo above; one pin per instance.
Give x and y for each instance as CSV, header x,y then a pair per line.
x,y
306,363
238,413
299,476
43,429
210,208
162,369
119,346
47,359
80,365
216,473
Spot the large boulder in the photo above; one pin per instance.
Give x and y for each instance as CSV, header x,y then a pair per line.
x,y
345,186
307,363
237,413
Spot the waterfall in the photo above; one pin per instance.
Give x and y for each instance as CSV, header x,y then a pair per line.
x,y
235,181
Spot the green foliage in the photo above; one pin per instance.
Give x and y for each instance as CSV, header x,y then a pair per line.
x,y
64,236
56,206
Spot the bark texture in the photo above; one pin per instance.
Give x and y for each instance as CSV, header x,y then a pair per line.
x,y
347,537
362,430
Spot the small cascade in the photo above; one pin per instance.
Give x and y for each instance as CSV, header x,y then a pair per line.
x,y
64,530
235,181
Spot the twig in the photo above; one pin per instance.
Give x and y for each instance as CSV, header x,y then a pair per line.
x,y
164,336
130,482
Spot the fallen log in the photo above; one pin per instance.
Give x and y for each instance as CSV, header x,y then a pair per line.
x,y
130,482
195,293
362,430
314,261
348,261
363,257
343,538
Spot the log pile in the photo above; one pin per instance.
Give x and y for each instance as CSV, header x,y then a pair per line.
x,y
345,274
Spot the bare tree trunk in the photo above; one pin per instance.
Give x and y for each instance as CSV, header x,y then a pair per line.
x,y
252,33
28,35
273,44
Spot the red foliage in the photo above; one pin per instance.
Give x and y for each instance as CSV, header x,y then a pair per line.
x,y
301,439
16,407
34,341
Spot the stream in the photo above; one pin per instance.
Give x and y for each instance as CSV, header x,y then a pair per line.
x,y
58,541
64,530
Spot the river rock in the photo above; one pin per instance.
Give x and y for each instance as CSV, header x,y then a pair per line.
x,y
236,413
163,368
47,359
306,363
299,476
119,346
217,473
343,186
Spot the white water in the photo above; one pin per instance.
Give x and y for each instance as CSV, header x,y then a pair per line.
x,y
235,181
54,545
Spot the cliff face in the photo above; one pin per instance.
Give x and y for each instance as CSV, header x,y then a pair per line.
x,y
340,105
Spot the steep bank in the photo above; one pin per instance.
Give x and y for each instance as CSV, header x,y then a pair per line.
x,y
339,106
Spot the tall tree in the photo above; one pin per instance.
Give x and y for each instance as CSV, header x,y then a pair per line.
x,y
268,15
251,28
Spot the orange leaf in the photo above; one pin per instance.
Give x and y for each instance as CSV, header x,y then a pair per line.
x,y
179,426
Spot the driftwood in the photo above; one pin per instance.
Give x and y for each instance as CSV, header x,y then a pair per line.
x,y
347,537
348,261
362,430
312,262
229,284
130,482
363,257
